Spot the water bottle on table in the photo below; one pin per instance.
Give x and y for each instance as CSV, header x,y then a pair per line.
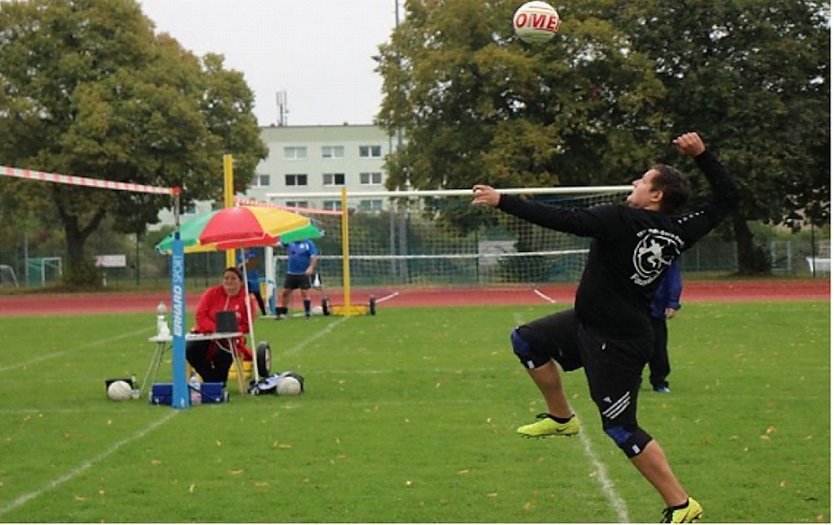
x,y
162,329
194,389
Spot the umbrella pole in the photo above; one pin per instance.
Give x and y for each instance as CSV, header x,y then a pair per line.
x,y
249,318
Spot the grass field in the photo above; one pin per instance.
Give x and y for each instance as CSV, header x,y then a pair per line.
x,y
410,416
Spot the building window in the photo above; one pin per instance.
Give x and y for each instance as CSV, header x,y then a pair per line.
x,y
332,205
370,152
372,178
260,180
370,205
333,179
297,204
332,152
295,152
295,179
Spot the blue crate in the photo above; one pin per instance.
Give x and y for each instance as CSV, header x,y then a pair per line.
x,y
163,393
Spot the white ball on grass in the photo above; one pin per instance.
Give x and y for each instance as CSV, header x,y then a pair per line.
x,y
288,386
119,391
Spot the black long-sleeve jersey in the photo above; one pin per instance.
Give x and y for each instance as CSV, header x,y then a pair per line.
x,y
630,249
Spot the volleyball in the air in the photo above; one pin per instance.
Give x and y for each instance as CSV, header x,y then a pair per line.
x,y
119,391
536,22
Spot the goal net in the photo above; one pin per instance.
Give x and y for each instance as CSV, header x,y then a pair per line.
x,y
422,239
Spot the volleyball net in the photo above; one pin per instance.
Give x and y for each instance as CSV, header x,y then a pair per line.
x,y
425,239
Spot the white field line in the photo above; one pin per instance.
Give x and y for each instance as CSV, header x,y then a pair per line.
x,y
602,478
53,355
24,411
83,467
329,328
605,482
544,296
387,297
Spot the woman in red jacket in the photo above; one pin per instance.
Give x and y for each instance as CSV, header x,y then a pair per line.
x,y
209,360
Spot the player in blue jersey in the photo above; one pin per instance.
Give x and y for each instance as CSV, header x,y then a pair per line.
x,y
302,258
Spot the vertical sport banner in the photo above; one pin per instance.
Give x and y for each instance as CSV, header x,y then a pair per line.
x,y
181,398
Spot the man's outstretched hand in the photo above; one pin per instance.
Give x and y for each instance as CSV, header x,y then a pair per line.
x,y
689,144
485,195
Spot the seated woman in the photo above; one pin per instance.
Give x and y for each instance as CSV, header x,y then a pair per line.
x,y
206,357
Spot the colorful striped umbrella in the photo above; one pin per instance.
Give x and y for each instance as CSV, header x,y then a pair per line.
x,y
311,231
238,227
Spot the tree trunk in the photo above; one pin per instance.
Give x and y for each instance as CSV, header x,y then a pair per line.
x,y
752,259
80,269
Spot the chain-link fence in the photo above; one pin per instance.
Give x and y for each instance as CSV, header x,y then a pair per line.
x,y
134,263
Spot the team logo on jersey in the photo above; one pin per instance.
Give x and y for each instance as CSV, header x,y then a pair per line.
x,y
655,251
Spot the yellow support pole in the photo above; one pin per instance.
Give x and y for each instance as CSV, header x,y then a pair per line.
x,y
229,196
345,250
347,309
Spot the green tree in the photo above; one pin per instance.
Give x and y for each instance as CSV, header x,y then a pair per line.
x,y
753,76
473,100
599,103
87,88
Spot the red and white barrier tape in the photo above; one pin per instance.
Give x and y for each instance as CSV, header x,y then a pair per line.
x,y
84,181
246,201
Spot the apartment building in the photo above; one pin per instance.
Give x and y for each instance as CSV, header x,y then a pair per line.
x,y
308,166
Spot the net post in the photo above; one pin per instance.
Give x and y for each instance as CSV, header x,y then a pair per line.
x,y
181,397
229,196
345,251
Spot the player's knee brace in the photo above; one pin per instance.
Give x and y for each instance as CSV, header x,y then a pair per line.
x,y
631,439
525,352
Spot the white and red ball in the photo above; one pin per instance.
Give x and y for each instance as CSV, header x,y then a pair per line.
x,y
536,22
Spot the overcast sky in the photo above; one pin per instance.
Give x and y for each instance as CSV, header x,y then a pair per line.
x,y
318,51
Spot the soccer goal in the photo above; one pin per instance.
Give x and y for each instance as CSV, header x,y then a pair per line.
x,y
7,276
43,270
436,239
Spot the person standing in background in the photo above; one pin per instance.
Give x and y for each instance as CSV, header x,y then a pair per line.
x,y
302,258
253,277
665,305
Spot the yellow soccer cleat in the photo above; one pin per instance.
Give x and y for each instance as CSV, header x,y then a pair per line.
x,y
547,426
690,513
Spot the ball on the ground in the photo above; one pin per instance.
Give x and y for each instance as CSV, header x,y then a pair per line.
x,y
119,391
288,386
536,22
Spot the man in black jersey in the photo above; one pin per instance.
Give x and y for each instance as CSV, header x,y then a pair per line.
x,y
608,332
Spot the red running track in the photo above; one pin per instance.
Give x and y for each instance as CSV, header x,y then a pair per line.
x,y
103,302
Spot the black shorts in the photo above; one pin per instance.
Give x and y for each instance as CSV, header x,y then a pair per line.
x,y
293,281
613,367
